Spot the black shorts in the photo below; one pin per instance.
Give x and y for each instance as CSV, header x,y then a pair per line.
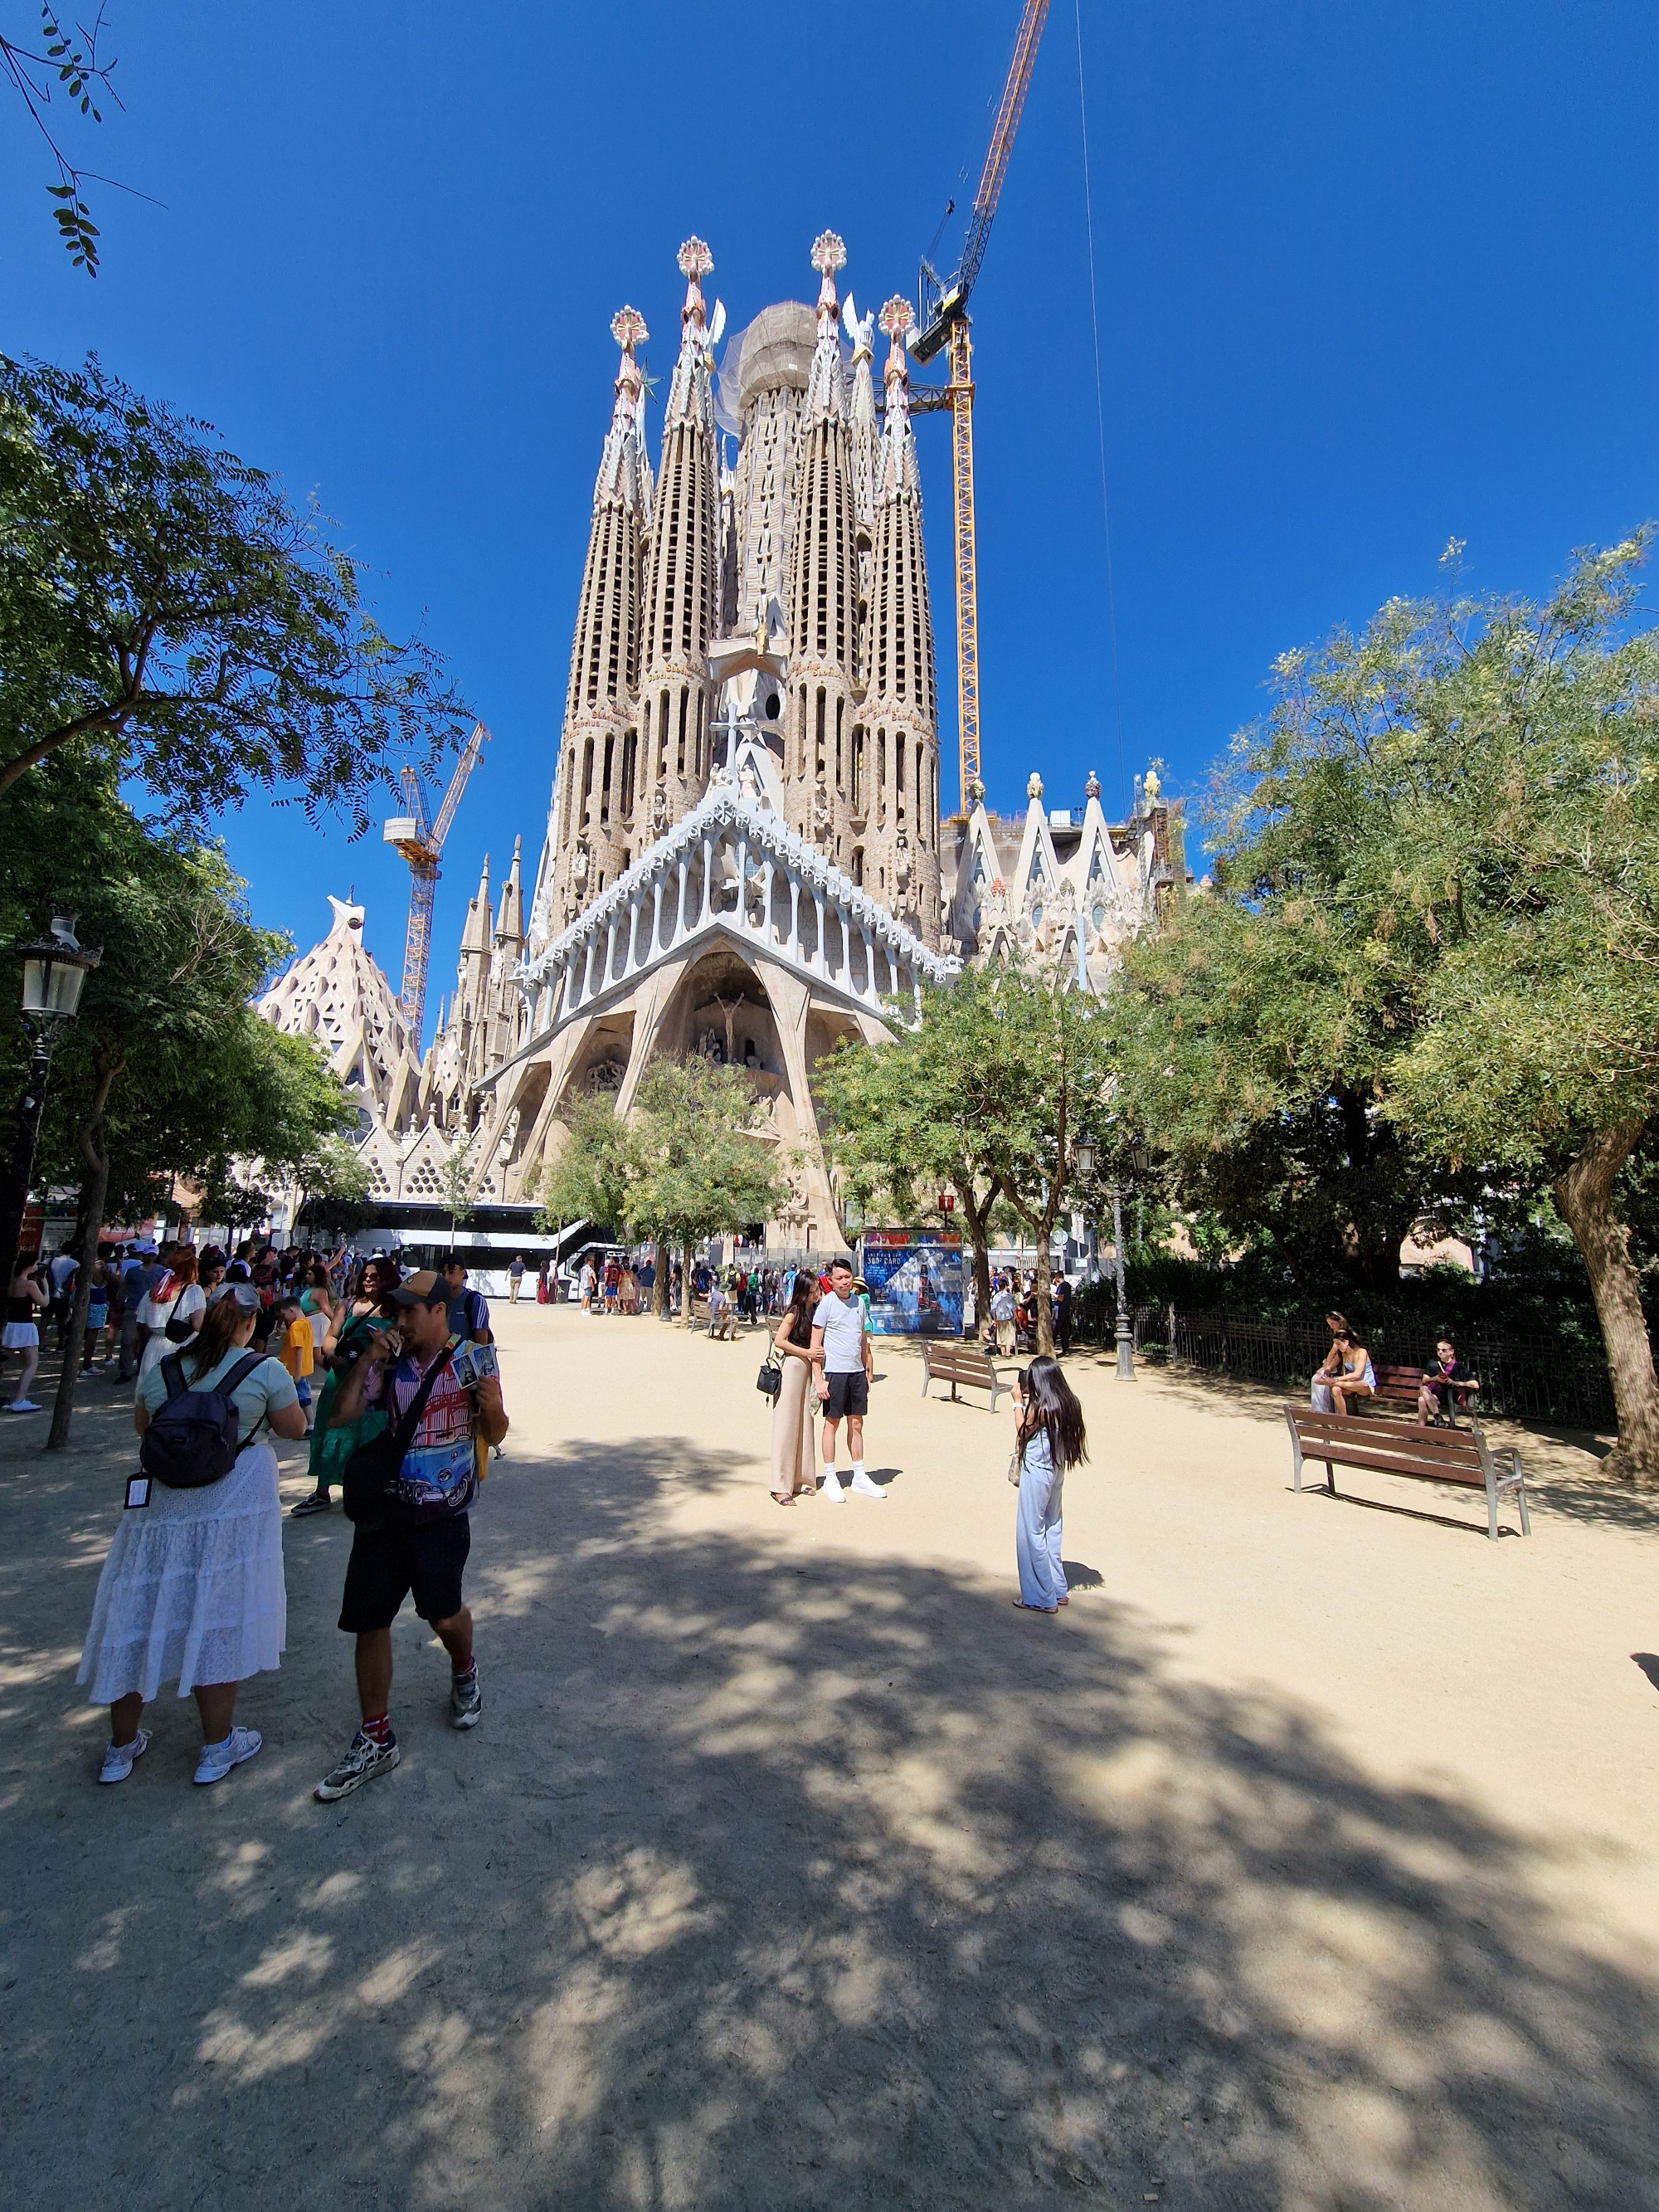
x,y
387,1564
848,1394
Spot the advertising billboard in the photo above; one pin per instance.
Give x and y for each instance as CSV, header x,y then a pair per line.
x,y
915,1282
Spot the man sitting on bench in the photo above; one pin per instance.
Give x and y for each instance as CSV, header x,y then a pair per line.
x,y
1345,1372
1445,1386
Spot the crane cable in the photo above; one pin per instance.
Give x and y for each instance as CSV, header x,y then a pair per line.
x,y
1100,409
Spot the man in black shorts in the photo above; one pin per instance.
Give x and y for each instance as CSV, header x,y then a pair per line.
x,y
841,1349
419,1544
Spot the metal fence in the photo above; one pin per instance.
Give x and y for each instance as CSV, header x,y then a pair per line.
x,y
1526,1378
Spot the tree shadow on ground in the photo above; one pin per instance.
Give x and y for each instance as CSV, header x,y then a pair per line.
x,y
772,1882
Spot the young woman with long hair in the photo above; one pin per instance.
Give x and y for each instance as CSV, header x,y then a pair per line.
x,y
353,1323
1049,1437
192,1589
793,1464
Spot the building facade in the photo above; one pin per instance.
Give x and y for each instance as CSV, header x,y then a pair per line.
x,y
743,854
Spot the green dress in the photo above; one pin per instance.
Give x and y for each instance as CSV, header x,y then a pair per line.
x,y
331,1448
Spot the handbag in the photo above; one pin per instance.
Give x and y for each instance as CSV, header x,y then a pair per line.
x,y
368,1481
178,1331
771,1380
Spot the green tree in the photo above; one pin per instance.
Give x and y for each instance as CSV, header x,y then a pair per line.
x,y
696,1161
906,1120
333,1185
1438,862
593,1177
66,65
455,1182
161,604
166,1071
990,1092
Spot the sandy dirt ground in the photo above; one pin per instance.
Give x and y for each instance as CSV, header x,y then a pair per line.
x,y
1307,1860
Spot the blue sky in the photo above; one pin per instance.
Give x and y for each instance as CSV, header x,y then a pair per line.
x,y
1370,276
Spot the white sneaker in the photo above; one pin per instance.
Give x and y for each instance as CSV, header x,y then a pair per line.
x,y
119,1758
218,1758
23,1405
866,1488
832,1493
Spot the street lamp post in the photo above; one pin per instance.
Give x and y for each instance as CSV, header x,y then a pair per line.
x,y
1126,1335
55,970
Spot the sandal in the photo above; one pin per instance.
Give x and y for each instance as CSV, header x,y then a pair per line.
x,y
779,1499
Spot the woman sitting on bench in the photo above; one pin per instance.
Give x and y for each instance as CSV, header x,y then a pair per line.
x,y
1346,1373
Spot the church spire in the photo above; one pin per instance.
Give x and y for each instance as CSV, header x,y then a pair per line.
x,y
682,600
820,781
901,704
592,790
866,436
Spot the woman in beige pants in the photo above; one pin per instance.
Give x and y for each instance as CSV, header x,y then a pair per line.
x,y
794,1468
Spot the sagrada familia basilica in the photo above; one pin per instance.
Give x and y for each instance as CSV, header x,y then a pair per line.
x,y
745,853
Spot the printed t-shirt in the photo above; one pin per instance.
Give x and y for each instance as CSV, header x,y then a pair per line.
x,y
842,1324
440,1474
267,1389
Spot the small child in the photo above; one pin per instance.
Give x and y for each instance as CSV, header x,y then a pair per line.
x,y
298,1352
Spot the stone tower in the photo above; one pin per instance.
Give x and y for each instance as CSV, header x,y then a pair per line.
x,y
821,781
682,597
900,707
596,783
773,367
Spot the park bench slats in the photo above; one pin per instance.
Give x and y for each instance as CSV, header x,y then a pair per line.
x,y
953,1362
1460,1455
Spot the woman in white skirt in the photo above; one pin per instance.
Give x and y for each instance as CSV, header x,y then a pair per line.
x,y
192,1589
26,1298
794,1470
177,1302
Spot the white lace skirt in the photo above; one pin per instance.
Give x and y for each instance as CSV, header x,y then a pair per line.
x,y
192,1589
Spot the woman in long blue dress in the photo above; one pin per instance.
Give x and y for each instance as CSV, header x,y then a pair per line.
x,y
1049,1437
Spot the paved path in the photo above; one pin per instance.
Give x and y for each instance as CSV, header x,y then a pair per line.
x,y
1307,1861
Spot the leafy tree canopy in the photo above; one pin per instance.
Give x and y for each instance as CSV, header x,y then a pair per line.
x,y
989,1093
1429,973
163,605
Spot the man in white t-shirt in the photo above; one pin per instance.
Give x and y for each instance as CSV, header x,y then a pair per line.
x,y
842,1350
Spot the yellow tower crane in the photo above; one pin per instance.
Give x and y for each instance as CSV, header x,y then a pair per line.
x,y
942,318
420,842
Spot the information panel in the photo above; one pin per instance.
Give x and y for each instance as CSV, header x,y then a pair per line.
x,y
915,1283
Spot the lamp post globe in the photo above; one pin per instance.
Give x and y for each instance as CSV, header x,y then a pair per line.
x,y
55,971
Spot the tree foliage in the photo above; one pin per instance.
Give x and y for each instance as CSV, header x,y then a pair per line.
x,y
688,1164
989,1093
166,1071
66,65
163,606
1430,972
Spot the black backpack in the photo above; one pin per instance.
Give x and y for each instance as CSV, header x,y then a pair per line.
x,y
368,1482
192,1440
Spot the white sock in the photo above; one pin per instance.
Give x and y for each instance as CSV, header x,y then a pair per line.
x,y
858,1468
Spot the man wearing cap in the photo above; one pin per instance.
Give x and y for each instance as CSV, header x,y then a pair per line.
x,y
421,1545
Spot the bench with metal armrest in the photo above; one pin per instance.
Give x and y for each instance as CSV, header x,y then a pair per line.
x,y
947,1361
1459,1455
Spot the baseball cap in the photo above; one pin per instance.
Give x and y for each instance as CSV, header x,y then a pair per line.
x,y
426,1289
240,1294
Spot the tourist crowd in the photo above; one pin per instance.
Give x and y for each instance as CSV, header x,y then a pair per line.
x,y
394,1379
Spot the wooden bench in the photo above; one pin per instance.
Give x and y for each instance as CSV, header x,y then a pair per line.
x,y
1460,1455
946,1360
